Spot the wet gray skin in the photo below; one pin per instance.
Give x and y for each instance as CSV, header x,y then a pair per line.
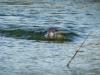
x,y
24,49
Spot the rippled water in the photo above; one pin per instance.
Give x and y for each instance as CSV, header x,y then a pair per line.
x,y
23,52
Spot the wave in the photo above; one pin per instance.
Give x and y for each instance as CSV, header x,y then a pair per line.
x,y
33,34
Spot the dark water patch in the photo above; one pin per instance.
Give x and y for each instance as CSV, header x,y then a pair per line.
x,y
89,14
58,13
19,15
23,34
2,14
36,34
16,2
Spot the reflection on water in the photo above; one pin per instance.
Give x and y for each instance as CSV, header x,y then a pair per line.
x,y
22,25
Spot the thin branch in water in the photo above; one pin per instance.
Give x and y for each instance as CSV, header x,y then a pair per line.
x,y
68,64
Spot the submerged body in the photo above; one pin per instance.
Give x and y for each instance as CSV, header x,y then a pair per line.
x,y
54,34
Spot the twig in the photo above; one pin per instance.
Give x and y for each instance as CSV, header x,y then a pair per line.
x,y
77,50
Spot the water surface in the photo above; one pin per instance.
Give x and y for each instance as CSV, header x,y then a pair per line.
x,y
22,52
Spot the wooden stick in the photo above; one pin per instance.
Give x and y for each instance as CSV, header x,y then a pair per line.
x,y
77,50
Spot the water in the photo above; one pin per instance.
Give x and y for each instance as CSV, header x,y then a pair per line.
x,y
23,52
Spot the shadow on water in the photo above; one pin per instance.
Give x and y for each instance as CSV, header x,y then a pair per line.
x,y
35,34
